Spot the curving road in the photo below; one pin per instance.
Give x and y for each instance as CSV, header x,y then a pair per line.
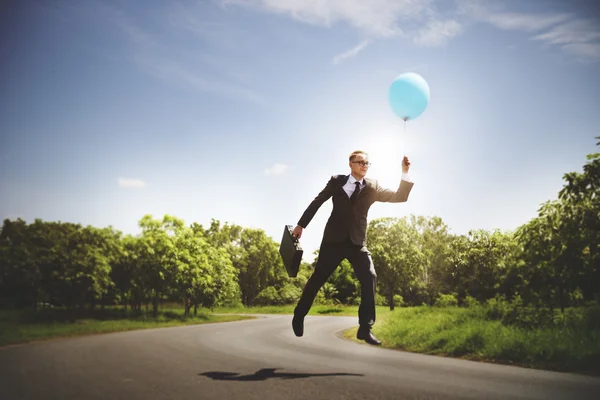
x,y
261,359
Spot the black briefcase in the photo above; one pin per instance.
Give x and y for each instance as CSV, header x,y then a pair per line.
x,y
291,251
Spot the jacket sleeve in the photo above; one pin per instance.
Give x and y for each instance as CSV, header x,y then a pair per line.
x,y
389,196
314,206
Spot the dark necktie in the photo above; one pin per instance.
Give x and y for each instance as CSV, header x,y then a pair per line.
x,y
355,193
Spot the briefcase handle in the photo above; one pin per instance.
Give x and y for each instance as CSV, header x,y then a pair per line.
x,y
290,229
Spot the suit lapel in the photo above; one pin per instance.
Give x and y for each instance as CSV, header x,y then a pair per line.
x,y
342,181
366,189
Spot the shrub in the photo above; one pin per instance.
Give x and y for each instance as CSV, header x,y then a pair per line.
x,y
470,302
398,300
267,296
446,300
379,300
289,294
320,299
514,313
497,308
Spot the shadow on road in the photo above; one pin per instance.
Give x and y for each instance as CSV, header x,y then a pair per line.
x,y
266,373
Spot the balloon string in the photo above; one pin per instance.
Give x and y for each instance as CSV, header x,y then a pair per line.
x,y
405,137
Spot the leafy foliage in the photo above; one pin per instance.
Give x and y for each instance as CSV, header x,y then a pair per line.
x,y
551,262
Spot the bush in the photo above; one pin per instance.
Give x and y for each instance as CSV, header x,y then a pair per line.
x,y
267,296
398,300
354,301
230,303
289,294
470,302
446,300
379,300
497,308
320,299
514,313
270,296
578,317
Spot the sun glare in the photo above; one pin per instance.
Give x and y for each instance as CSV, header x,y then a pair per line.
x,y
386,151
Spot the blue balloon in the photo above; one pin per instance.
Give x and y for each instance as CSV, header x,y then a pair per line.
x,y
409,95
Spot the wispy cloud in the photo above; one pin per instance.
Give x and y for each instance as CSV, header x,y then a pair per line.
x,y
176,73
373,19
574,31
575,34
154,55
525,22
438,32
423,23
131,183
378,18
276,169
114,16
350,53
588,51
495,13
579,37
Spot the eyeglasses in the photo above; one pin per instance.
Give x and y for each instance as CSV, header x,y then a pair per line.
x,y
362,163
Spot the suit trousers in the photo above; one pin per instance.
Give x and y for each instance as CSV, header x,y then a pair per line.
x,y
330,257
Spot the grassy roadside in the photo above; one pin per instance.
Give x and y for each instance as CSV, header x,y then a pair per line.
x,y
342,311
24,326
467,333
346,311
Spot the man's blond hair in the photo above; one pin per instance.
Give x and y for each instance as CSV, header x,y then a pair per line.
x,y
355,153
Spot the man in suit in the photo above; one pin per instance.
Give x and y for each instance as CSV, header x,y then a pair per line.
x,y
345,237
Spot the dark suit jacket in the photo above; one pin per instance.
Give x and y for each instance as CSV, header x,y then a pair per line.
x,y
347,219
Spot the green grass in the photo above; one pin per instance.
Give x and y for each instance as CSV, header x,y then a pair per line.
x,y
466,333
345,311
26,326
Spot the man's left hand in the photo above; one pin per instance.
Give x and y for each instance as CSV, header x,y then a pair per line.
x,y
405,164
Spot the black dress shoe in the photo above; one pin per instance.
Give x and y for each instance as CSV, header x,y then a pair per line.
x,y
298,325
367,336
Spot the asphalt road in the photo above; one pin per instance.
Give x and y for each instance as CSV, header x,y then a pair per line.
x,y
261,359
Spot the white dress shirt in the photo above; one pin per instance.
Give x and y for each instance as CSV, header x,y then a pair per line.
x,y
350,186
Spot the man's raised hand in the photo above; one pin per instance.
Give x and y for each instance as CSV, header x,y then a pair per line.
x,y
405,164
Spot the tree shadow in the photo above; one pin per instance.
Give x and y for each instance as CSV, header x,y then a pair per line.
x,y
266,373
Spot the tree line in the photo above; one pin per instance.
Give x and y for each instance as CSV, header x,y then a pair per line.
x,y
552,261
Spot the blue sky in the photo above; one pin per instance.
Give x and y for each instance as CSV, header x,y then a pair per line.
x,y
241,110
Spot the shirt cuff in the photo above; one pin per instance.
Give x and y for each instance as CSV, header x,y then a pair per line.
x,y
406,177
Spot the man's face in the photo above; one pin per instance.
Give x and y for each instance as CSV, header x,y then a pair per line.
x,y
359,165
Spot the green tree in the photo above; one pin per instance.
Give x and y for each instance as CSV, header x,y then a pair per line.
x,y
435,246
81,268
126,274
478,264
561,245
158,256
259,264
581,196
347,287
20,274
204,275
396,251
